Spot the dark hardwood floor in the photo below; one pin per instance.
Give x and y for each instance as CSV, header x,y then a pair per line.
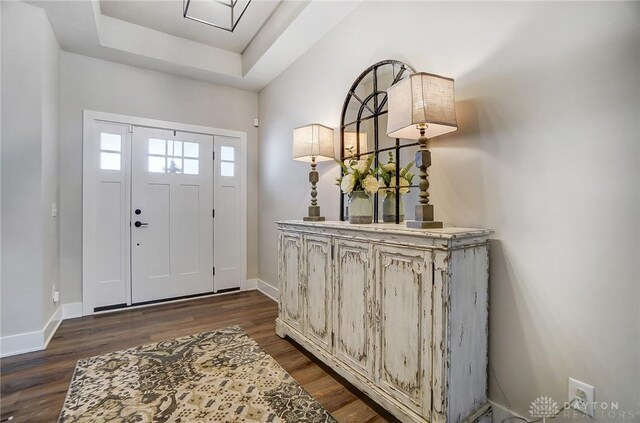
x,y
33,385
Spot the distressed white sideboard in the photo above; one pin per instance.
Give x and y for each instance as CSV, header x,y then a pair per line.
x,y
400,313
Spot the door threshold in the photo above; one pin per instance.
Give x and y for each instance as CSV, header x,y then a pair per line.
x,y
123,307
110,307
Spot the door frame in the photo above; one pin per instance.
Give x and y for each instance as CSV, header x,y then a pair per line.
x,y
89,118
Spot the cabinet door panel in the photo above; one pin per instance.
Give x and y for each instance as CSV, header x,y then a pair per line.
x,y
291,280
318,290
353,318
404,318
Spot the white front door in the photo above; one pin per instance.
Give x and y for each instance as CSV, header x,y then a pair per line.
x,y
171,214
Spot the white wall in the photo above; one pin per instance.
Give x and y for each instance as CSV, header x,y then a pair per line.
x,y
30,107
547,154
93,84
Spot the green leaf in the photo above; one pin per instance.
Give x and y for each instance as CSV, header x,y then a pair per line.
x,y
343,166
368,164
409,177
406,169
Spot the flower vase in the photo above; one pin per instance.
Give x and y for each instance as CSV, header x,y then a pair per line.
x,y
360,208
389,207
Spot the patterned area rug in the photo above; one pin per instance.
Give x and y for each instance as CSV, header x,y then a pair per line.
x,y
220,376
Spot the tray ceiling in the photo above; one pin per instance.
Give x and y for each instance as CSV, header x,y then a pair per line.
x,y
166,16
153,34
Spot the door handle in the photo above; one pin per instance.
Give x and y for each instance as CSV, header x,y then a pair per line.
x,y
138,224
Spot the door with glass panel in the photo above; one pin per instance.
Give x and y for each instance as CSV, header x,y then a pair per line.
x,y
229,239
171,214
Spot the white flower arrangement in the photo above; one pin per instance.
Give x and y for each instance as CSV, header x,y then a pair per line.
x,y
370,184
387,173
389,167
358,176
361,166
348,183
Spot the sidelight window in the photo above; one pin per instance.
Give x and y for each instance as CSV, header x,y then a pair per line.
x,y
227,161
110,151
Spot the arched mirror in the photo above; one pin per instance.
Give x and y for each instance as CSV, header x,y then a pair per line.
x,y
363,126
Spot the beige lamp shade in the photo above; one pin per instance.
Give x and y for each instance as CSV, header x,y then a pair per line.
x,y
351,139
313,141
421,98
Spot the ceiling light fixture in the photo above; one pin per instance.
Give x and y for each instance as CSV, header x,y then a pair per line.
x,y
222,14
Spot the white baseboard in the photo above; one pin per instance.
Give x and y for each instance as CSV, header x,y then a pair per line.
x,y
71,311
31,341
52,326
267,289
21,343
251,284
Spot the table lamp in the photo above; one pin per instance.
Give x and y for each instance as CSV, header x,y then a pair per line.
x,y
312,144
422,106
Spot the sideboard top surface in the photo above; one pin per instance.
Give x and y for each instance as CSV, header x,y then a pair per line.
x,y
391,228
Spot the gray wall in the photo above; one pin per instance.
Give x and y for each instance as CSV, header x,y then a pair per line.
x,y
93,84
547,154
30,107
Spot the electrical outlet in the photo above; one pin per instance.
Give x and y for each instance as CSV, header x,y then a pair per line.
x,y
582,397
55,295
54,210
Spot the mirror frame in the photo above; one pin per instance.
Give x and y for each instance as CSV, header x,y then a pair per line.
x,y
378,94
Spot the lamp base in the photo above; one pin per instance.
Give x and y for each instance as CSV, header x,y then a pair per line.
x,y
424,218
424,224
314,215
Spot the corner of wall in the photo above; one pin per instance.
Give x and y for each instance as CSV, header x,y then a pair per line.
x,y
50,166
268,290
31,341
